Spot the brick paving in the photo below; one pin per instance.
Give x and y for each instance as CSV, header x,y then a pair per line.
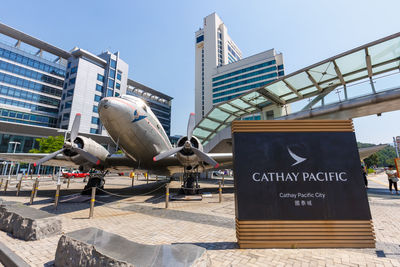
x,y
207,223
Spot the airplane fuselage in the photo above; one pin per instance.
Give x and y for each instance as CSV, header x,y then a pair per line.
x,y
133,127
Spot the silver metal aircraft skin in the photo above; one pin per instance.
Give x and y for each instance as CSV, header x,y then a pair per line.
x,y
135,129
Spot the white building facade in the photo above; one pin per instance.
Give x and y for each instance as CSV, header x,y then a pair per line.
x,y
214,47
88,79
221,73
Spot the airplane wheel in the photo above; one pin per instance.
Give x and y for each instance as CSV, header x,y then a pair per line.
x,y
93,182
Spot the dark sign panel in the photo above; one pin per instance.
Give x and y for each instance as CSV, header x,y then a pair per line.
x,y
298,176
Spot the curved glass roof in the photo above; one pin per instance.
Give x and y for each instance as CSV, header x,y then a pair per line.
x,y
362,62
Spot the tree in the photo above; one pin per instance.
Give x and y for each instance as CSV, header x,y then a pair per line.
x,y
49,144
371,160
383,158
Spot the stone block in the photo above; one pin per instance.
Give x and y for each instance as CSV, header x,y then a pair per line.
x,y
95,247
28,223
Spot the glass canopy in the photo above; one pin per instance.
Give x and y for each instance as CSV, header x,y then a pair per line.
x,y
363,62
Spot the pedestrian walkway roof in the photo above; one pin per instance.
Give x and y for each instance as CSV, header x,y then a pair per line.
x,y
363,62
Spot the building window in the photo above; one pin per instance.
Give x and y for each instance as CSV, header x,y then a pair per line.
x,y
100,77
109,92
200,39
116,94
95,109
119,75
73,70
93,131
70,92
112,73
99,88
110,83
65,117
95,120
118,86
69,65
68,104
72,81
67,76
97,98
113,64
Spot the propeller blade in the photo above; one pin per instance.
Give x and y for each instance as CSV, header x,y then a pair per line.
x,y
48,157
204,157
75,127
89,157
167,153
191,125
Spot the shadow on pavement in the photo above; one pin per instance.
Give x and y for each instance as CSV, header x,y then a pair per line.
x,y
214,245
383,193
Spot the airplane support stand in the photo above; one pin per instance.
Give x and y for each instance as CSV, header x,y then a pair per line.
x,y
95,180
190,183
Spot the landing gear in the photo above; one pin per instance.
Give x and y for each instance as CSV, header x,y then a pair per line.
x,y
190,184
95,180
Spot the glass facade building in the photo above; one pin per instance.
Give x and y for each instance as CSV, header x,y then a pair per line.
x,y
30,87
42,87
232,80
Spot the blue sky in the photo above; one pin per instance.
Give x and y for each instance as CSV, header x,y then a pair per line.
x,y
156,38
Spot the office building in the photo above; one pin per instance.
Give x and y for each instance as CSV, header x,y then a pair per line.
x,y
42,87
232,80
221,73
88,79
214,47
159,103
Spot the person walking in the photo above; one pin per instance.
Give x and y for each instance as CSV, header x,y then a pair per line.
x,y
364,176
392,177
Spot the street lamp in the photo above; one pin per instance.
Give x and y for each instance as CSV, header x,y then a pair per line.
x,y
12,163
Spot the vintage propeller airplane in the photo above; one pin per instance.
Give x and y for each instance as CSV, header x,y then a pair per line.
x,y
139,134
137,131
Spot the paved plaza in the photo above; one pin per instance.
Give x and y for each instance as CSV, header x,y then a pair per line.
x,y
138,213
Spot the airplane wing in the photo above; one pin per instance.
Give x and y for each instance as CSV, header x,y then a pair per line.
x,y
59,160
225,161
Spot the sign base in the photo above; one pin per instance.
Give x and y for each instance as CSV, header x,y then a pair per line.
x,y
305,234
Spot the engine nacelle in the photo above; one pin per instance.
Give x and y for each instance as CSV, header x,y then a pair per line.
x,y
89,146
186,156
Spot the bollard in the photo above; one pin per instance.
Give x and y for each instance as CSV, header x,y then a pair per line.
x,y
5,186
92,199
220,192
57,196
32,193
36,186
19,186
133,178
166,195
147,177
69,178
1,183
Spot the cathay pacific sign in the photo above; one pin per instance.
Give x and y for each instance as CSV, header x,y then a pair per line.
x,y
276,176
298,176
